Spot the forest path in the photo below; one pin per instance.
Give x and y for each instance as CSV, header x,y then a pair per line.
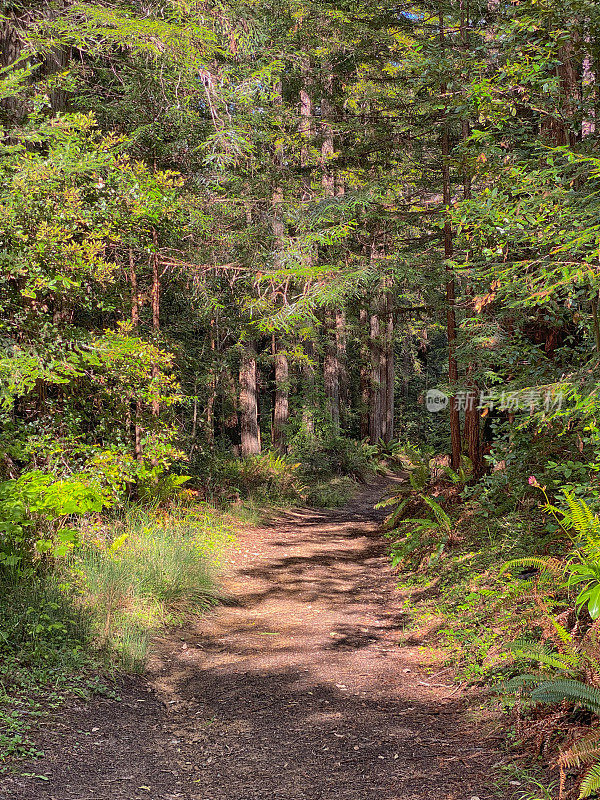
x,y
301,690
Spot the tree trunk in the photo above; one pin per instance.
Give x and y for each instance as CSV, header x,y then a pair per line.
x,y
450,285
327,146
305,127
472,413
250,431
340,346
281,405
390,376
365,376
331,373
212,388
472,430
308,392
375,405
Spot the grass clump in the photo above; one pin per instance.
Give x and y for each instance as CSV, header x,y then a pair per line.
x,y
145,572
68,626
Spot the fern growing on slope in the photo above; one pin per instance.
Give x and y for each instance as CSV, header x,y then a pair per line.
x,y
568,668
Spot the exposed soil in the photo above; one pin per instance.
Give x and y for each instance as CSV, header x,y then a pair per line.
x,y
301,689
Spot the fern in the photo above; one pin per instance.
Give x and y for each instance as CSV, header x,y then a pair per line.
x,y
590,783
442,518
554,691
583,751
392,519
540,652
391,501
582,518
521,682
419,477
551,566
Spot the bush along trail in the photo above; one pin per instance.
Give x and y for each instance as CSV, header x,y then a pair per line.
x,y
300,686
252,256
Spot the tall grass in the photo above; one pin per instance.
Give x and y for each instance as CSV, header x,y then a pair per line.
x,y
131,576
145,571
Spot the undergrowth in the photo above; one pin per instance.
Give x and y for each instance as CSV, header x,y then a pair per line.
x,y
515,601
72,627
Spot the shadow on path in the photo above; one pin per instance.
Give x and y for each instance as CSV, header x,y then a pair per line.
x,y
300,690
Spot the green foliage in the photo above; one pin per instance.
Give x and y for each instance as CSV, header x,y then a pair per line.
x,y
329,493
323,456
586,750
418,535
32,509
146,572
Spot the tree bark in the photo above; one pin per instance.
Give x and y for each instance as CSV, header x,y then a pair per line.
x,y
365,376
212,389
305,127
390,376
281,404
340,346
375,405
327,146
450,284
250,431
331,372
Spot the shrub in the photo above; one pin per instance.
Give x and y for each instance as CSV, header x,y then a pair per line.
x,y
268,477
330,493
320,457
33,510
39,621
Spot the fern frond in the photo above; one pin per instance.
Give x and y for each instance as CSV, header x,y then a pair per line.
x,y
540,652
590,647
442,518
583,751
394,517
552,566
590,783
527,680
419,477
582,518
554,691
392,501
566,640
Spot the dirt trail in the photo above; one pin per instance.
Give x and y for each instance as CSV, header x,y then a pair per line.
x,y
298,691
